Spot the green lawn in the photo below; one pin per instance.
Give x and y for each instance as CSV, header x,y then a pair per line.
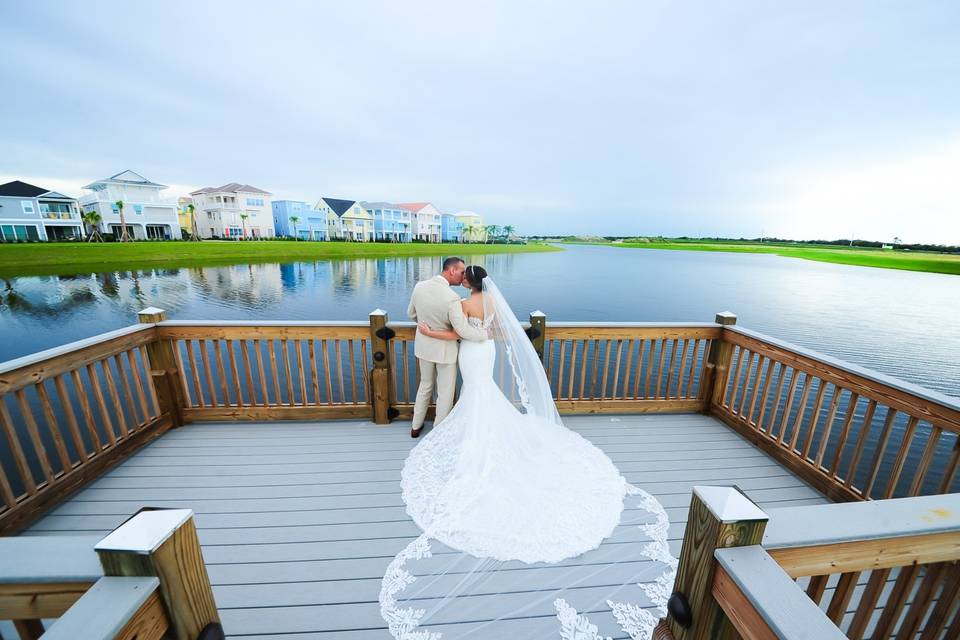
x,y
885,259
70,258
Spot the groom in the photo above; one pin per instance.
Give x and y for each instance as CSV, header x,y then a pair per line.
x,y
434,302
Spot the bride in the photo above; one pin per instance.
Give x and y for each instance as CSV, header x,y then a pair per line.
x,y
501,482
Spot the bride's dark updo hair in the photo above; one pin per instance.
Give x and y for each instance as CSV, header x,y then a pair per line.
x,y
475,276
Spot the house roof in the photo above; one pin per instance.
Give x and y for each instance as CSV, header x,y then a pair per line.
x,y
413,206
19,189
128,177
339,207
380,205
231,187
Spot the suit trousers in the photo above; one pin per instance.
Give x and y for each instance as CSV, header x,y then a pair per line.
x,y
441,375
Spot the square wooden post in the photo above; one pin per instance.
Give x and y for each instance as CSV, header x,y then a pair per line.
x,y
381,374
538,331
718,364
164,544
719,517
166,376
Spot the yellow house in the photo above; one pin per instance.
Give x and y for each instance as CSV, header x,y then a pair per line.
x,y
346,220
473,228
184,216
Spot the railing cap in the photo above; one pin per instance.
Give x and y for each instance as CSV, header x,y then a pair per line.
x,y
538,314
378,312
727,504
145,532
726,318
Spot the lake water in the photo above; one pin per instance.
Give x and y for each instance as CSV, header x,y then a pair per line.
x,y
897,322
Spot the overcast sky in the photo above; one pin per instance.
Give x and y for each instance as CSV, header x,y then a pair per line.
x,y
810,119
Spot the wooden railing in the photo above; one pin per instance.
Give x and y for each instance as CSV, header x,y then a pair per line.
x,y
145,581
852,433
69,413
878,569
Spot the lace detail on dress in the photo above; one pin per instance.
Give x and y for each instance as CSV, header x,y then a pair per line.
x,y
403,622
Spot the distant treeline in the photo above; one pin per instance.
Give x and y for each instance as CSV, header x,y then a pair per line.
x,y
867,244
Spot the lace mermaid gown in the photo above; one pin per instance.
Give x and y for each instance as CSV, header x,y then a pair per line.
x,y
496,483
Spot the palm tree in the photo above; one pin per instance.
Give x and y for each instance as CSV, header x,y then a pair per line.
x,y
124,234
490,230
194,228
92,219
243,221
293,222
508,230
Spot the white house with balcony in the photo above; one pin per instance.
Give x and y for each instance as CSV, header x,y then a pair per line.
x,y
233,211
426,221
29,212
149,216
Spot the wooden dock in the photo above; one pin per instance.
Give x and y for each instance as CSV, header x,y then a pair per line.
x,y
298,522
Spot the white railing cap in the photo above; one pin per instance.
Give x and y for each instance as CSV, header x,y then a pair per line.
x,y
144,532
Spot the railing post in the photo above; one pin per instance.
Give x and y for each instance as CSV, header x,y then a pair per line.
x,y
163,543
380,375
718,363
719,517
164,373
538,331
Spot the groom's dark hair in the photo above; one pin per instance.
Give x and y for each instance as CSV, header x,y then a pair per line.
x,y
449,262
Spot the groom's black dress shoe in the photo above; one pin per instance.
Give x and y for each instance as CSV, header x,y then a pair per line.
x,y
415,433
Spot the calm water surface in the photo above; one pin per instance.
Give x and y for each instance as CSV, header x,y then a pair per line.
x,y
898,322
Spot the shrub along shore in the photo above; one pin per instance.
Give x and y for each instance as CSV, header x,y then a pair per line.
x,y
61,258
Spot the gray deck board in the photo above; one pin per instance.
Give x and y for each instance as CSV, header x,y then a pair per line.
x,y
298,522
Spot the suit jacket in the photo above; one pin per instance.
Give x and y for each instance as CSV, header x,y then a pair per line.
x,y
434,302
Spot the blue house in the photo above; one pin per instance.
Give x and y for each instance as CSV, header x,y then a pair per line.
x,y
310,224
451,229
391,223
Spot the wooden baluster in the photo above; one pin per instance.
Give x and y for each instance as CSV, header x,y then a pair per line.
x,y
194,374
682,369
151,387
164,544
787,408
950,470
353,373
26,413
895,601
127,391
719,517
221,372
274,372
946,604
841,596
115,398
673,354
583,368
865,427
648,346
765,398
287,373
548,358
881,449
208,372
732,401
248,372
922,601
902,455
573,362
815,417
101,404
828,427
616,370
756,388
606,370
816,587
6,491
182,371
262,373
801,411
627,370
19,459
72,425
301,372
314,373
844,433
561,359
921,471
366,363
53,427
867,603
746,386
328,382
234,374
91,424
660,363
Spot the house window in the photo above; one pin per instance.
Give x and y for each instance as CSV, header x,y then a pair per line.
x,y
27,206
254,202
138,209
19,232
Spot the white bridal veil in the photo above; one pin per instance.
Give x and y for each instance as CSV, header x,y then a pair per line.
x,y
603,569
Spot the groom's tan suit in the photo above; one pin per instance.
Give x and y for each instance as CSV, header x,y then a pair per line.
x,y
434,302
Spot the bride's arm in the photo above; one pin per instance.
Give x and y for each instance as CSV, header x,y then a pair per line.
x,y
440,334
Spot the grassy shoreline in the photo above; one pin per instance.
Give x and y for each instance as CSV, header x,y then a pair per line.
x,y
67,258
928,262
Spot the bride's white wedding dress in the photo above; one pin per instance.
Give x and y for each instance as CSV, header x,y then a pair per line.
x,y
474,479
502,484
